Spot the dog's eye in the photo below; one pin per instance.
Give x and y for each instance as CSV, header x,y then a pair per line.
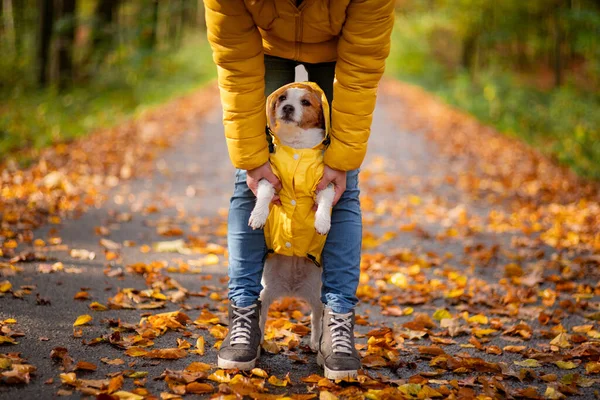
x,y
282,97
305,103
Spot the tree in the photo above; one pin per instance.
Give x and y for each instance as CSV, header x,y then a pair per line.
x,y
149,23
66,42
104,28
46,23
18,9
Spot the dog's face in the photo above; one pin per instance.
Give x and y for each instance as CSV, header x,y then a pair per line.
x,y
299,106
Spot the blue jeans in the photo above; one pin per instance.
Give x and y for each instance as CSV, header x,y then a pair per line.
x,y
247,247
340,258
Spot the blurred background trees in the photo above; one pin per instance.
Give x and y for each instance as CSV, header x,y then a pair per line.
x,y
68,67
63,42
529,67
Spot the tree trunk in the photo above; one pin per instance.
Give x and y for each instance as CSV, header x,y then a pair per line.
x,y
176,22
66,43
104,32
557,59
469,51
18,21
150,25
46,20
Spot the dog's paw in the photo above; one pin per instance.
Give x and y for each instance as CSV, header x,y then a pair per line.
x,y
258,218
322,223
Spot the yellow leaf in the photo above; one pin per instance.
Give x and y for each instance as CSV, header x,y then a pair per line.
x,y
82,320
454,293
529,363
200,345
400,280
5,286
594,334
441,314
275,381
561,340
121,395
218,331
97,306
211,259
582,328
7,339
261,373
220,376
428,392
566,364
478,319
483,332
68,379
159,296
593,367
553,394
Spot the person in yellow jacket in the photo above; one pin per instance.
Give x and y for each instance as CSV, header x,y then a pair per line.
x,y
343,44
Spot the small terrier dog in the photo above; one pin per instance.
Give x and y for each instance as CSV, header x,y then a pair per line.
x,y
297,120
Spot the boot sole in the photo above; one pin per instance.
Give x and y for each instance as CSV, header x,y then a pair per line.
x,y
335,374
241,365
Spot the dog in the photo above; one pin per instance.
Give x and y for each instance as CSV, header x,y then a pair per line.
x,y
298,120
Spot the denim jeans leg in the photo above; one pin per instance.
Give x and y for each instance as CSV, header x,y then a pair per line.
x,y
246,247
341,255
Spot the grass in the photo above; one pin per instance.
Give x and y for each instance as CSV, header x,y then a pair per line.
x,y
34,119
564,123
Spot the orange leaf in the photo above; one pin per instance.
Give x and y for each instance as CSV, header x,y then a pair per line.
x,y
115,384
84,365
199,388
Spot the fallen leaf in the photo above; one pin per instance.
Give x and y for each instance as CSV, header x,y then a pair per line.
x,y
82,320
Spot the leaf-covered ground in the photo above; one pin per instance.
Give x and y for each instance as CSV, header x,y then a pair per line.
x,y
479,276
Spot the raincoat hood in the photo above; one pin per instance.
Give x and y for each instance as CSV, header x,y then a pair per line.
x,y
301,85
290,228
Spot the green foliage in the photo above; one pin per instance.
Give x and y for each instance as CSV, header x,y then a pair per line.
x,y
37,118
563,122
116,72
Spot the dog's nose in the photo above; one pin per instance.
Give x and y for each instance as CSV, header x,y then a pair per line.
x,y
288,109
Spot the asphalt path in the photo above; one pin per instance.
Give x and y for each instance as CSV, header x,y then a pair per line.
x,y
190,190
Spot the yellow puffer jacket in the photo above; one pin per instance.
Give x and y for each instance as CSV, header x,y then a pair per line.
x,y
290,228
355,33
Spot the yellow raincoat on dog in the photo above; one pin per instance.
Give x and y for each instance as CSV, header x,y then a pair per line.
x,y
290,228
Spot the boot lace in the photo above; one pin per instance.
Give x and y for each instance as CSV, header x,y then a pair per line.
x,y
341,332
240,329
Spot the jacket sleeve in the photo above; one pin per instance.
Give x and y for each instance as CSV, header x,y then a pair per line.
x,y
237,50
362,49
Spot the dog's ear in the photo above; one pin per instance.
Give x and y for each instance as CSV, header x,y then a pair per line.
x,y
317,98
322,119
273,110
272,105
